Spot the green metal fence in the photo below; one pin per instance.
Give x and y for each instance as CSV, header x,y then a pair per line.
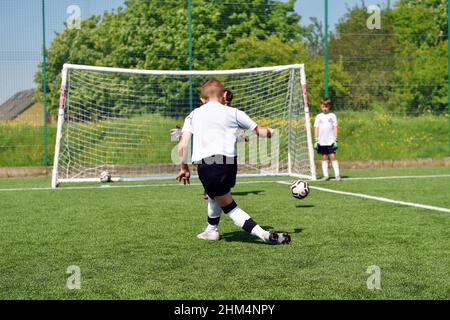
x,y
397,70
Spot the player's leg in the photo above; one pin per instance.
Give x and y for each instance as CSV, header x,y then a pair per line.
x,y
335,165
212,229
240,217
211,232
243,220
214,211
325,166
218,179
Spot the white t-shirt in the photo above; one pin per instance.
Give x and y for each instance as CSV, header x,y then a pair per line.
x,y
326,122
214,127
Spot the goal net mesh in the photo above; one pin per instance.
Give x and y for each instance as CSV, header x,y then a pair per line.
x,y
121,122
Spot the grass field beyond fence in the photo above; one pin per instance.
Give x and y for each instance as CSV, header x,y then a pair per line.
x,y
363,136
378,136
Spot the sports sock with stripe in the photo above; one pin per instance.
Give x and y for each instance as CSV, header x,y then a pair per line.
x,y
244,221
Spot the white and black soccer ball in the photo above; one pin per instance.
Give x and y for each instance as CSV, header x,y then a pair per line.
x,y
300,189
105,176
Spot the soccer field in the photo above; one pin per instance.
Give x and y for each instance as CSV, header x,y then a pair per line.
x,y
138,241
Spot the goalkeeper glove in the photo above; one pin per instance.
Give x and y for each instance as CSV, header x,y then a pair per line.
x,y
241,137
335,143
175,134
316,143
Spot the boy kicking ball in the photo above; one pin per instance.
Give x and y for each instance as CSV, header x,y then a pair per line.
x,y
228,97
326,138
214,127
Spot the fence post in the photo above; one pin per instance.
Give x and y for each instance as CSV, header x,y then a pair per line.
x,y
44,82
326,48
190,53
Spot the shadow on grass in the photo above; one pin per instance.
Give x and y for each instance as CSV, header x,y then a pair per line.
x,y
331,178
246,193
304,206
242,236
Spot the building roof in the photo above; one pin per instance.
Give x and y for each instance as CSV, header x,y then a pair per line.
x,y
17,104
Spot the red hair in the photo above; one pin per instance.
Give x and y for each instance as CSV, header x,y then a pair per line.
x,y
212,88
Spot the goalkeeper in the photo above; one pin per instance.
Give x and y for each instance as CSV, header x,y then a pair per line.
x,y
240,134
326,138
214,128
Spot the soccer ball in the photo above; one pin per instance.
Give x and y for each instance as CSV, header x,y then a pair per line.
x,y
105,176
300,189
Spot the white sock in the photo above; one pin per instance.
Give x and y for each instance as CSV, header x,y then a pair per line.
x,y
244,221
260,233
239,216
212,227
335,165
325,168
214,211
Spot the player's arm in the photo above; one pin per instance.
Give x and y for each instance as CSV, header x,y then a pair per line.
x,y
184,174
245,122
335,132
175,133
316,137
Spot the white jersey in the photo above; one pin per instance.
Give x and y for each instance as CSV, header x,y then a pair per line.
x,y
215,127
326,122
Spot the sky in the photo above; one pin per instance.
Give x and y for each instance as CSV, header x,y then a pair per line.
x,y
21,31
336,9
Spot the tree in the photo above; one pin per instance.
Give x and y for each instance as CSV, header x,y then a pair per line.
x,y
421,80
400,66
424,16
154,35
421,29
366,55
315,37
72,46
252,52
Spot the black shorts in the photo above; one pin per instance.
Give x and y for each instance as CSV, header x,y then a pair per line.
x,y
217,174
326,149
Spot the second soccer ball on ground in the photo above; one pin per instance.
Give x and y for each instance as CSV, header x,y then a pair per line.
x,y
105,176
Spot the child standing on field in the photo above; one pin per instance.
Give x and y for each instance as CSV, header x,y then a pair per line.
x,y
326,138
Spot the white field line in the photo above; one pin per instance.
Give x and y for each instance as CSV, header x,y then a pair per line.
x,y
400,177
366,196
108,186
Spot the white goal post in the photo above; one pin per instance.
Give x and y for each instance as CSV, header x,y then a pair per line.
x,y
120,121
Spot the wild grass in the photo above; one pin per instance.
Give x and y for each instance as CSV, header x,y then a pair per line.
x,y
363,136
381,136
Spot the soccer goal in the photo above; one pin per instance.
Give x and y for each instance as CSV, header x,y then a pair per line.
x,y
120,121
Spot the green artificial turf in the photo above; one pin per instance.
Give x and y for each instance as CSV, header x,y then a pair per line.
x,y
140,242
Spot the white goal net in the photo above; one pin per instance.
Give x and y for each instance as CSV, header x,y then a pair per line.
x,y
120,121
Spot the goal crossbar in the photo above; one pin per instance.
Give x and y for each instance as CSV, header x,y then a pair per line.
x,y
183,72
